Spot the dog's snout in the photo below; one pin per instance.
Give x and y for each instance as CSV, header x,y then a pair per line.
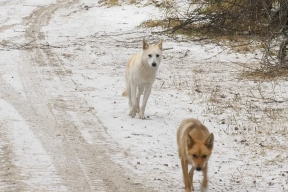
x,y
154,64
198,168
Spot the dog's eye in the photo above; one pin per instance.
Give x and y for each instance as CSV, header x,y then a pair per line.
x,y
195,156
204,156
150,55
157,55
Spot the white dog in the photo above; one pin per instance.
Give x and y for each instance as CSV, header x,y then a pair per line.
x,y
140,73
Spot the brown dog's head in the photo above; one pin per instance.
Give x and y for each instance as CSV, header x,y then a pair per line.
x,y
199,151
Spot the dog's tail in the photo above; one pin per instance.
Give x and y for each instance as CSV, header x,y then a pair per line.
x,y
124,94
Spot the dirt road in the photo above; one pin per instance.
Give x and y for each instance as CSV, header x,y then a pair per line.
x,y
56,117
64,124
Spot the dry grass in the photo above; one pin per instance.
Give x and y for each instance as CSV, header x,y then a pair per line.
x,y
109,3
132,2
263,75
237,25
165,23
247,109
236,42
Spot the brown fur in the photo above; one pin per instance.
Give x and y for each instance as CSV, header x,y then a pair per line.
x,y
195,146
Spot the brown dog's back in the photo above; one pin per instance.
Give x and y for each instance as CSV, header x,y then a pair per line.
x,y
194,128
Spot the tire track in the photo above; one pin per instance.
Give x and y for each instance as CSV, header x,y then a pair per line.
x,y
10,177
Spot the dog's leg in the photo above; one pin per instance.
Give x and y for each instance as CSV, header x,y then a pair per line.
x,y
132,112
191,173
128,89
205,179
186,176
145,99
140,92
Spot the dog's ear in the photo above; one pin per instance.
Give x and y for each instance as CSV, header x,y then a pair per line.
x,y
145,44
159,44
210,141
190,142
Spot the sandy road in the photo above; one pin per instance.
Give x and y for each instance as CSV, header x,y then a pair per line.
x,y
57,118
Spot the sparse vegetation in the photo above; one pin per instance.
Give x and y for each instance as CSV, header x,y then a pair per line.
x,y
242,22
132,1
109,2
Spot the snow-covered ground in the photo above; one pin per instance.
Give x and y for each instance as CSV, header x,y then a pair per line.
x,y
196,79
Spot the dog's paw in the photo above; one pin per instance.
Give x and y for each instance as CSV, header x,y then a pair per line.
x,y
141,116
203,189
132,112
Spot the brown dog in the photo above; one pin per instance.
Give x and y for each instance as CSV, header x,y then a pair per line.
x,y
195,146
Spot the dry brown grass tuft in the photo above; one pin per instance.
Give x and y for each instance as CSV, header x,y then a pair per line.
x,y
165,23
260,74
109,3
132,2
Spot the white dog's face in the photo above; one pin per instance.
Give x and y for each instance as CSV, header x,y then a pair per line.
x,y
152,53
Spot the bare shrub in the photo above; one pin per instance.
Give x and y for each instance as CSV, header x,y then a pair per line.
x,y
263,20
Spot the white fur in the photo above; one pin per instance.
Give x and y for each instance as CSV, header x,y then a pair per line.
x,y
140,74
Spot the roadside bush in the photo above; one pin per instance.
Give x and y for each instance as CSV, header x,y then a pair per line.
x,y
264,20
